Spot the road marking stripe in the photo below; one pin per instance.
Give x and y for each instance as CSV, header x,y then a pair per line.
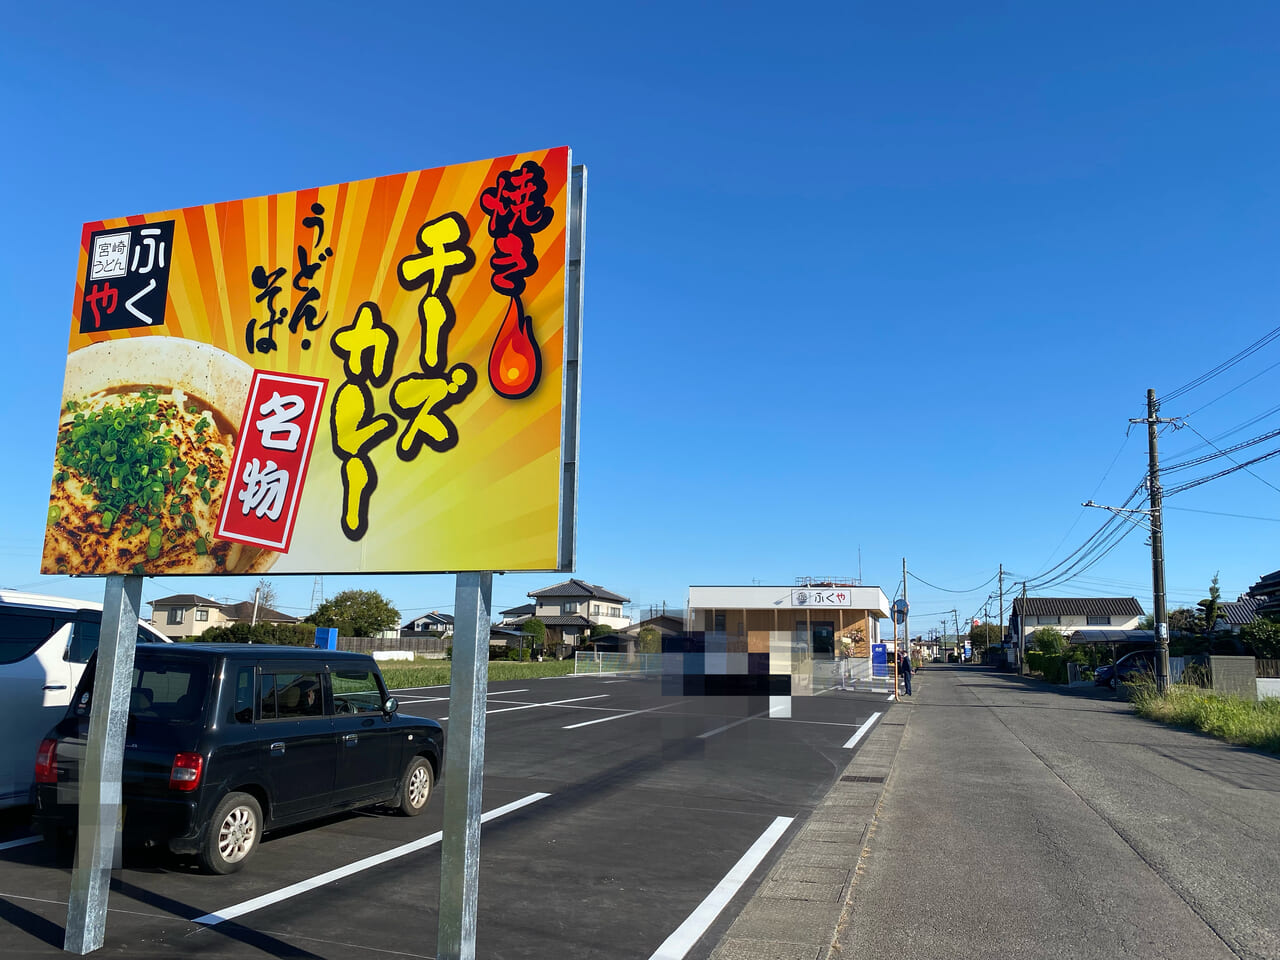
x,y
863,730
587,723
730,726
25,841
550,703
689,932
284,893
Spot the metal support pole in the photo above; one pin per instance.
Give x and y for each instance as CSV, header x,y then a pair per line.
x,y
464,769
1001,612
1157,547
98,843
906,613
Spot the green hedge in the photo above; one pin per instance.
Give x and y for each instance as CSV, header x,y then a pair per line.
x,y
1052,666
436,673
286,634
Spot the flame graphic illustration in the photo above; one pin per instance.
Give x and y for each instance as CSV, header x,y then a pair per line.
x,y
515,363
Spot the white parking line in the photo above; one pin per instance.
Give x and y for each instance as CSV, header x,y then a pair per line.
x,y
688,933
25,841
587,723
730,726
863,730
284,893
550,703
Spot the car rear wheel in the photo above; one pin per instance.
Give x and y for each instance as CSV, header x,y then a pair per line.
x,y
232,835
415,787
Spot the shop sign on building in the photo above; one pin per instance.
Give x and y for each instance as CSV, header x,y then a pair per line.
x,y
822,597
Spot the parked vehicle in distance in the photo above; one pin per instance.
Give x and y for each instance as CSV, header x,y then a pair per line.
x,y
228,741
1126,669
45,643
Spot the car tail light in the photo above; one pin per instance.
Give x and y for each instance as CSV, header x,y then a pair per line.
x,y
47,762
185,774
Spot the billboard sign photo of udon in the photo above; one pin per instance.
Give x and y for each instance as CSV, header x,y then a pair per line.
x,y
372,377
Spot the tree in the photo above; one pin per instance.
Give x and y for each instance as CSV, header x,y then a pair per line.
x,y
1049,640
267,596
649,640
1185,620
985,635
536,631
1211,606
356,613
1264,636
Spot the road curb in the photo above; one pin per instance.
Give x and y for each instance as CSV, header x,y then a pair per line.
x,y
798,908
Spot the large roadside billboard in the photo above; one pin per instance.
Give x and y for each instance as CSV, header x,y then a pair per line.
x,y
375,376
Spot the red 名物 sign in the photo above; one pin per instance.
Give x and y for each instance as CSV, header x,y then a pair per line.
x,y
276,435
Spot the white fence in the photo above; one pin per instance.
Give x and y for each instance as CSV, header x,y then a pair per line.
x,y
586,661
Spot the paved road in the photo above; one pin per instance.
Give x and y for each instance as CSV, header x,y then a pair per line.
x,y
645,811
1022,820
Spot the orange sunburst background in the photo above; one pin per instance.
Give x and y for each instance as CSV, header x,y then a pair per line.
x,y
490,503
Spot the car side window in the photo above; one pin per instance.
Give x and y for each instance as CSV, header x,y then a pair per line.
x,y
356,691
296,695
268,697
242,705
23,633
84,640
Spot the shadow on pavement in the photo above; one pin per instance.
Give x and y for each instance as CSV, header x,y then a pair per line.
x,y
39,927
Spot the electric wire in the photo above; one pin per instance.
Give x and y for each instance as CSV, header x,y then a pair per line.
x,y
921,579
1221,473
1239,446
1222,367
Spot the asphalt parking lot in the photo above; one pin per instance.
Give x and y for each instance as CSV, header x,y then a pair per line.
x,y
614,813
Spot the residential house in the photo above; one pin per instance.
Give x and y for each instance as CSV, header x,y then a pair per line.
x,y
1234,614
189,614
433,622
1267,592
1071,614
667,625
568,609
516,614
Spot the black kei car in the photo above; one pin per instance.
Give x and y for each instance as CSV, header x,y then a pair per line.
x,y
227,741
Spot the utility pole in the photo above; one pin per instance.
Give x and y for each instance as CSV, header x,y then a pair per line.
x,y
1022,634
1002,609
253,622
1157,542
906,613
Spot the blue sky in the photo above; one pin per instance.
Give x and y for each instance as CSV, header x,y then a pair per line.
x,y
863,281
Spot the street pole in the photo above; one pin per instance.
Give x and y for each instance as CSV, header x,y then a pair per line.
x,y
906,613
464,764
1001,610
1157,547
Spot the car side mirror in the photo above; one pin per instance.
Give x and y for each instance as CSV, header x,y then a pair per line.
x,y
390,705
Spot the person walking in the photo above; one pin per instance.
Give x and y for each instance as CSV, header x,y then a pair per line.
x,y
904,671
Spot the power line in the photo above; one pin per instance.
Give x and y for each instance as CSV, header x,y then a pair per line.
x,y
1222,367
1239,446
1222,473
915,576
1242,383
1218,451
1219,513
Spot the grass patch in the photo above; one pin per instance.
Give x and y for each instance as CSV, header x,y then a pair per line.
x,y
1243,722
433,673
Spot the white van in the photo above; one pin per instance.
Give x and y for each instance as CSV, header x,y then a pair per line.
x,y
44,645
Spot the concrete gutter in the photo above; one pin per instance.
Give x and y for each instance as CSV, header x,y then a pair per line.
x,y
796,911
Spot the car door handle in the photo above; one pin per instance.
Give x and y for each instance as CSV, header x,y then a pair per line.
x,y
277,748
350,739
55,686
